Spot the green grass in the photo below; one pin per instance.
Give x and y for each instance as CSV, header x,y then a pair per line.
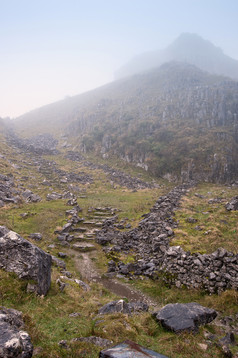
x,y
219,228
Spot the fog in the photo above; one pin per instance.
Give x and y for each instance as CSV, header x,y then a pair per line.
x,y
57,48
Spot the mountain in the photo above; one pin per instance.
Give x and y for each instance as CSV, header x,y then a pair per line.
x,y
189,48
175,121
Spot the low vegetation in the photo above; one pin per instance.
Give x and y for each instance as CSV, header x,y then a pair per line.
x,y
48,319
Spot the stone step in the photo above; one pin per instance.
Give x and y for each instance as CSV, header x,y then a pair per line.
x,y
83,246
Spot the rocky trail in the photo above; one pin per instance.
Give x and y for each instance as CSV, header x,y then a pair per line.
x,y
89,234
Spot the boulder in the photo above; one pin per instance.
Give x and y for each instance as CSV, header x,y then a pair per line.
x,y
25,259
129,349
14,342
180,317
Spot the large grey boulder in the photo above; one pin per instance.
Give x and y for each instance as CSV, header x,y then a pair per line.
x,y
25,259
129,349
14,342
184,317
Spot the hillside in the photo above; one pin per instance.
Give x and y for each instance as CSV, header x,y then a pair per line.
x,y
175,121
110,236
189,48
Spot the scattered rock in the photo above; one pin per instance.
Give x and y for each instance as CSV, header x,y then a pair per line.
x,y
180,317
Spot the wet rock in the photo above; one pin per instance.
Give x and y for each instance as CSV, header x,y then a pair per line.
x,y
128,349
14,342
25,259
180,317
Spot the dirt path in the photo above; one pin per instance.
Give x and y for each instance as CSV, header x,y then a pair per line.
x,y
86,267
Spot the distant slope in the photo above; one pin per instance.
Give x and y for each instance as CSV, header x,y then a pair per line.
x,y
189,48
175,121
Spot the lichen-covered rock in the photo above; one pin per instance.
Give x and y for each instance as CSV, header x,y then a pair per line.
x,y
180,317
233,204
14,342
25,259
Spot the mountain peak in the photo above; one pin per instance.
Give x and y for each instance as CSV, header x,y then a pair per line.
x,y
190,48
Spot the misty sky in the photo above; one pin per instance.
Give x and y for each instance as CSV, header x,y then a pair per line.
x,y
50,49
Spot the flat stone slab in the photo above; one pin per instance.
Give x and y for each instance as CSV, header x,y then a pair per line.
x,y
129,349
83,246
180,317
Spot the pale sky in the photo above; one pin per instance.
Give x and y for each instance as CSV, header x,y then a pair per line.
x,y
50,49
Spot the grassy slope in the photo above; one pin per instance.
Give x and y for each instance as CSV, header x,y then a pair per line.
x,y
47,318
219,227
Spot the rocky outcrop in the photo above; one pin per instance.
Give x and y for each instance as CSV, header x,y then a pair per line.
x,y
25,259
14,342
180,317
